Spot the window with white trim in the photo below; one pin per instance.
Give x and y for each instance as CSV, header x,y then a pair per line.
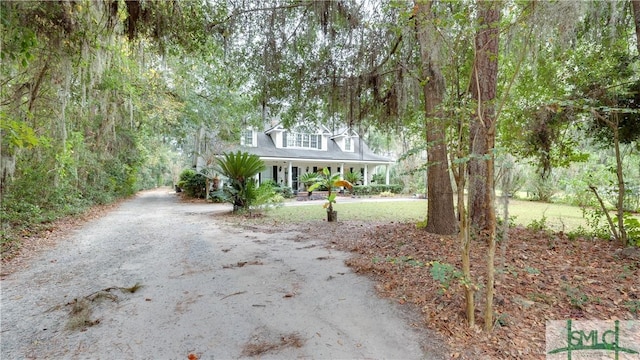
x,y
247,138
348,144
304,141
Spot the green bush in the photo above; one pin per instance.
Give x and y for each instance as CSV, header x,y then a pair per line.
x,y
578,233
538,225
378,178
284,191
353,177
192,183
364,190
632,227
543,189
268,195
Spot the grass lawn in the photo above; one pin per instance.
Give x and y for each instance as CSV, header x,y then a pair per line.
x,y
558,216
400,211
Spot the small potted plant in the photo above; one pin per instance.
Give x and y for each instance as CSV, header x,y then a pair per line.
x,y
331,183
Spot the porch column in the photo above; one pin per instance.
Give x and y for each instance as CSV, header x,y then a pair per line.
x,y
289,177
366,175
342,171
386,180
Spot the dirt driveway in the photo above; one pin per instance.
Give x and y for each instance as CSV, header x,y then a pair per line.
x,y
209,291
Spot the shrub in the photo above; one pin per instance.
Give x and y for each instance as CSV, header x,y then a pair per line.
x,y
193,184
363,190
284,191
267,195
539,225
578,233
353,177
543,189
378,178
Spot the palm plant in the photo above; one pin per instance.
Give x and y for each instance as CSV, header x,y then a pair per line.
x,y
308,179
353,177
331,183
240,168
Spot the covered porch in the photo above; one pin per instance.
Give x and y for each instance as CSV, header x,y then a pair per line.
x,y
286,172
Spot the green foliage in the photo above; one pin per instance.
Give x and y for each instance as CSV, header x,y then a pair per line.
x,y
331,183
193,184
16,135
631,198
284,191
577,298
539,225
87,120
542,189
364,190
632,227
378,178
628,271
266,196
445,274
240,168
531,270
578,233
353,177
512,221
596,222
633,306
308,179
600,228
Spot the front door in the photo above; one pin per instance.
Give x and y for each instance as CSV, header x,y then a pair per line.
x,y
294,178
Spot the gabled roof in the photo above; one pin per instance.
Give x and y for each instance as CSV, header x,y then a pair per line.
x,y
267,149
279,128
345,133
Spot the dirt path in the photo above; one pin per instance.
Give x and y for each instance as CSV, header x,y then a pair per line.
x,y
208,290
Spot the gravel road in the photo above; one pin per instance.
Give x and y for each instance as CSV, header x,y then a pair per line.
x,y
209,291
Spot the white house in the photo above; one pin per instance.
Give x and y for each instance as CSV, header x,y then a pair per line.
x,y
289,153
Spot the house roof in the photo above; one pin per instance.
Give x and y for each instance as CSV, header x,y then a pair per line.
x,y
267,150
321,129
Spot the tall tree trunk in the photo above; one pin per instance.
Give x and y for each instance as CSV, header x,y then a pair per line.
x,y
483,89
624,240
441,217
481,167
459,170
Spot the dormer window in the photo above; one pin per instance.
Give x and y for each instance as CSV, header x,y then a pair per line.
x,y
301,140
348,144
247,138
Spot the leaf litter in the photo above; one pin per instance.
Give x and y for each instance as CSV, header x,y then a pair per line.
x,y
80,313
546,277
